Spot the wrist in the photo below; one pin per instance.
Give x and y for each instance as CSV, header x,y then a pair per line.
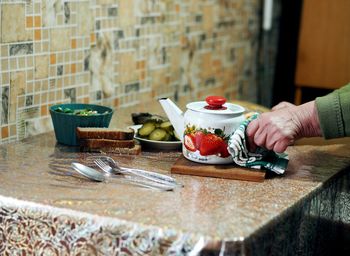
x,y
308,120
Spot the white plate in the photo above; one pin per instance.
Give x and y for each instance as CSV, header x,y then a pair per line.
x,y
166,145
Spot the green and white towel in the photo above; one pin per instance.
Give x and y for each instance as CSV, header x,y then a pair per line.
x,y
261,158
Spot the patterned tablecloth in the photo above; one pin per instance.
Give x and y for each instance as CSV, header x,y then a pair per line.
x,y
46,208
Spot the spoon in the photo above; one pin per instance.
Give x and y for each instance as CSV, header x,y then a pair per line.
x,y
157,177
88,172
97,176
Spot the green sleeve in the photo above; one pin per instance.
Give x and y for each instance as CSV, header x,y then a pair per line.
x,y
334,113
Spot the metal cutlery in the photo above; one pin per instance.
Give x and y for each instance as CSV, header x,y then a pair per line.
x,y
153,176
97,176
150,182
88,172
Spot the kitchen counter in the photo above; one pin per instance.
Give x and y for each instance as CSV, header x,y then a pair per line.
x,y
41,198
46,207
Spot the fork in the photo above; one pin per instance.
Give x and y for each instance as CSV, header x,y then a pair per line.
x,y
151,182
161,178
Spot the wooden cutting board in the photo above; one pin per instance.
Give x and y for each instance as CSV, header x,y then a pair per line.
x,y
226,171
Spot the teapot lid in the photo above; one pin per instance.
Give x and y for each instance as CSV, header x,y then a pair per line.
x,y
215,105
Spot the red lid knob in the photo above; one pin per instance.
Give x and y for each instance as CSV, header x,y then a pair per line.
x,y
215,102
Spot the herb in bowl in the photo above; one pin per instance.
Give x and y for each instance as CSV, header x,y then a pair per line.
x,y
78,112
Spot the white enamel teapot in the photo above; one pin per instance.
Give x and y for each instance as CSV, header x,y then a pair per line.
x,y
205,128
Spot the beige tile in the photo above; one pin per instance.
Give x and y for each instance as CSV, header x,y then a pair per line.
x,y
13,130
45,34
17,88
67,57
175,55
44,97
37,86
13,63
30,74
206,65
79,91
30,62
13,22
59,95
4,65
37,47
79,43
51,96
73,6
45,85
4,50
79,67
52,83
37,7
84,19
59,57
126,17
65,69
21,101
73,18
208,22
36,99
127,67
105,1
22,62
30,87
59,82
59,19
86,78
41,66
86,90
66,81
53,71
87,42
60,39
45,47
5,78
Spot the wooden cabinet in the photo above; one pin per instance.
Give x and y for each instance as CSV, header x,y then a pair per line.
x,y
323,58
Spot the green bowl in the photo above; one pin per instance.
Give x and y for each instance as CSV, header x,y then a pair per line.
x,y
65,124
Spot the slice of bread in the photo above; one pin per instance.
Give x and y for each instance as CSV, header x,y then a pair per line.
x,y
105,133
135,150
104,143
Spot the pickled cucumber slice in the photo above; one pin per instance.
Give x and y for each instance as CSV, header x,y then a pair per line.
x,y
167,126
158,134
167,137
146,129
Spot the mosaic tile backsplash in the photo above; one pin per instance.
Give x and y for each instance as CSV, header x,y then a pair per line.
x,y
120,53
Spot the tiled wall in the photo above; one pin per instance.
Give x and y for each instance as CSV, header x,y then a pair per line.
x,y
120,53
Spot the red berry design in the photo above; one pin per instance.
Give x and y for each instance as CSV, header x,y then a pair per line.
x,y
198,139
224,152
211,144
189,142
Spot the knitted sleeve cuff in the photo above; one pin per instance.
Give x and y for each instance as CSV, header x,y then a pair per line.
x,y
330,115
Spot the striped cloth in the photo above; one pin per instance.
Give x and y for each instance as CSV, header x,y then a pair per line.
x,y
261,158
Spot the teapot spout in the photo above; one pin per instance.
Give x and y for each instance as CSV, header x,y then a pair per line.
x,y
175,116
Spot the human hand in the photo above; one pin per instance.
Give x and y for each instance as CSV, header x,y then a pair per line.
x,y
283,104
278,129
